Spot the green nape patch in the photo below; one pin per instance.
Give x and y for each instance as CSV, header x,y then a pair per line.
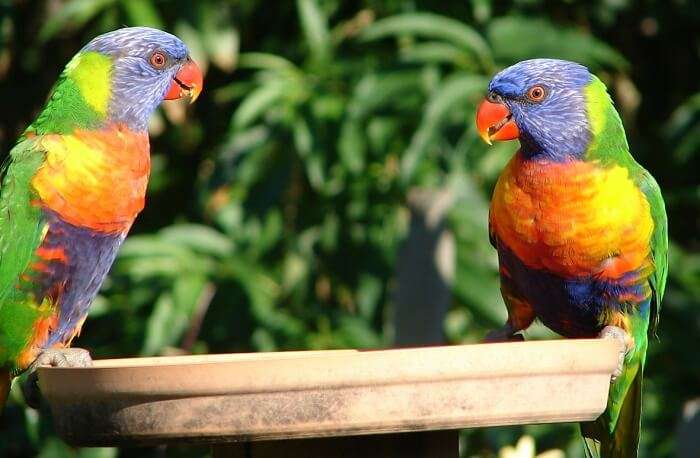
x,y
609,143
90,71
79,99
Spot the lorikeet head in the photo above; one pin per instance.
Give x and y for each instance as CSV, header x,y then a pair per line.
x,y
542,102
121,77
147,65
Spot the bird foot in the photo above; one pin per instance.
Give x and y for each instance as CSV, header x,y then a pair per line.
x,y
619,334
504,334
62,357
51,357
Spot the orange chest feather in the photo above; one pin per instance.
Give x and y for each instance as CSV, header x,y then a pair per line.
x,y
95,179
572,219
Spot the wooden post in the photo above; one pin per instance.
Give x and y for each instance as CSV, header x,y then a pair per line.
x,y
425,270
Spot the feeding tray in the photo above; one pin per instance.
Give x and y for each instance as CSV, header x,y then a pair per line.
x,y
288,395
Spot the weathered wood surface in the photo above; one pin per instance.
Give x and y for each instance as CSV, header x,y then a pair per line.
x,y
249,397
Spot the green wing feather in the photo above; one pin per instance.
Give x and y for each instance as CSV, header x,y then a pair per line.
x,y
21,231
659,244
616,433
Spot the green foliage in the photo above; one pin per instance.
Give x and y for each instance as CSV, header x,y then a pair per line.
x,y
278,202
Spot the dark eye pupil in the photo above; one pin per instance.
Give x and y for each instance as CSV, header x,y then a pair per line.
x,y
158,60
536,93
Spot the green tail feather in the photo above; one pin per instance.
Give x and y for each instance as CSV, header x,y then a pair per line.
x,y
623,441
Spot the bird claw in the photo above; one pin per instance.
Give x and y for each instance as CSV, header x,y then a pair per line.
x,y
619,334
504,334
62,357
51,357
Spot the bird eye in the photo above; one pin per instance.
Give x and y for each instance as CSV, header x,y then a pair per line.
x,y
158,60
536,93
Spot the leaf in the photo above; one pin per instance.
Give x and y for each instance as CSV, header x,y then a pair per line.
x,y
265,61
517,38
436,52
454,92
303,138
223,48
158,325
149,245
313,24
219,37
172,313
369,292
432,26
352,146
481,10
375,91
316,170
688,146
295,270
55,448
270,233
146,257
257,102
262,291
193,40
142,12
199,238
99,307
72,15
684,129
684,115
354,332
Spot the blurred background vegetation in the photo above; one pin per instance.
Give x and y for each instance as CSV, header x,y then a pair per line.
x,y
331,191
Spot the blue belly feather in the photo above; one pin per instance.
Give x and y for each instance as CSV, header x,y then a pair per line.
x,y
571,307
90,255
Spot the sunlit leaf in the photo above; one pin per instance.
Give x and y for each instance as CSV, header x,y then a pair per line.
x,y
684,129
264,61
352,146
71,15
219,38
142,12
369,292
436,52
452,93
257,102
313,23
432,26
199,238
376,90
193,40
519,38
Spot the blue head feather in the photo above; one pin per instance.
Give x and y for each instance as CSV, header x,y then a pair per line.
x,y
137,87
557,127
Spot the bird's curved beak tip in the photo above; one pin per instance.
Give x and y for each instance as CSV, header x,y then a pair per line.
x,y
494,121
188,82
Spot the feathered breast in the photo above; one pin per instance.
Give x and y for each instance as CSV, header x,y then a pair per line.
x,y
573,219
95,179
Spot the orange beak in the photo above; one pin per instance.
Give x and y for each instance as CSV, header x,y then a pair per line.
x,y
187,83
495,122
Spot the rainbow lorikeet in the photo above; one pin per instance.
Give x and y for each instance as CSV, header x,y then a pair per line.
x,y
72,187
579,226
